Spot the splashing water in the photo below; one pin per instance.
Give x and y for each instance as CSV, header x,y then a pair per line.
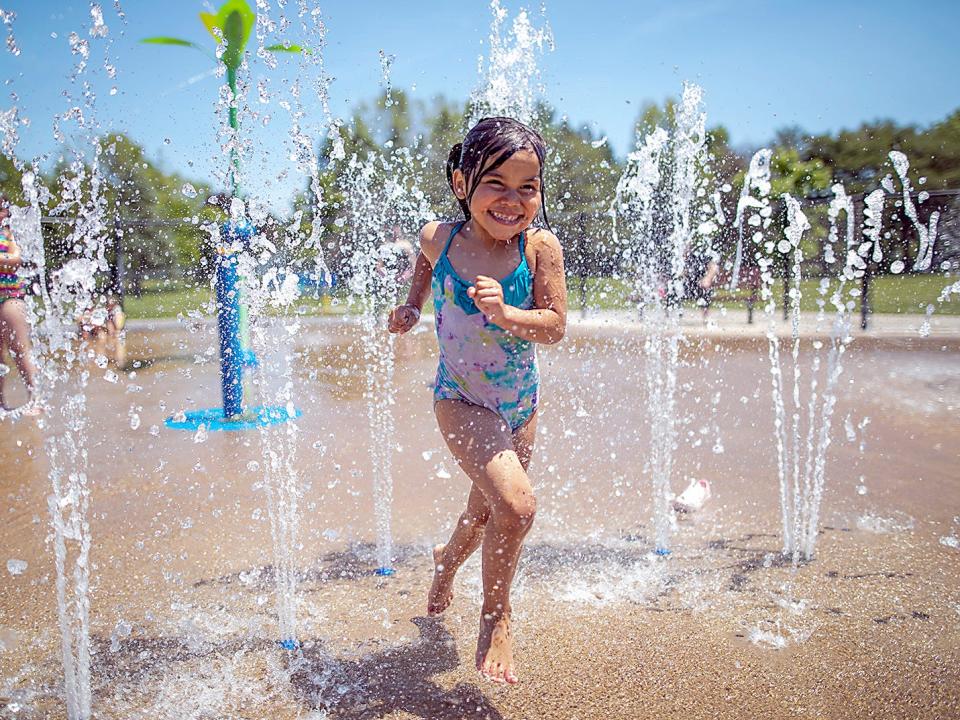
x,y
802,425
271,270
384,207
659,223
62,377
510,73
754,205
927,234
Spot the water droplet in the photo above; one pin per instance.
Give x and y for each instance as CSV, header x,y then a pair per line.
x,y
188,190
16,567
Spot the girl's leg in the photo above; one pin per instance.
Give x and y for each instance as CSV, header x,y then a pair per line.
x,y
468,533
484,448
14,315
447,559
4,345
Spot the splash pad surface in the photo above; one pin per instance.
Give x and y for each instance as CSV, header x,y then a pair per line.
x,y
182,615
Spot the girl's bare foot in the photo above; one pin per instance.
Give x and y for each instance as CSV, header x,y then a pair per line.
x,y
441,592
495,649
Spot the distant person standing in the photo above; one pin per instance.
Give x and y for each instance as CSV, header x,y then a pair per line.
x,y
699,277
102,328
14,327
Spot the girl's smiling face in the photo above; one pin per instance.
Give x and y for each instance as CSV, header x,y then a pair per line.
x,y
508,198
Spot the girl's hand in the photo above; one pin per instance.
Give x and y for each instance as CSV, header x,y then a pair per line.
x,y
487,295
402,318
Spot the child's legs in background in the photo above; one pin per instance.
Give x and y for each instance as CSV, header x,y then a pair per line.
x,y
15,331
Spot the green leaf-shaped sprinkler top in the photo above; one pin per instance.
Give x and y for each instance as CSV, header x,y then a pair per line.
x,y
232,26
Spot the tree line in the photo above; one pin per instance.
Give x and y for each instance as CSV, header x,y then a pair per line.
x,y
154,219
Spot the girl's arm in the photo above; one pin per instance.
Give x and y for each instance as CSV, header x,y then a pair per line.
x,y
546,322
10,261
420,284
405,316
432,237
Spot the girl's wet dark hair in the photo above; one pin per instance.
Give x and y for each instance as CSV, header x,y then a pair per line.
x,y
498,138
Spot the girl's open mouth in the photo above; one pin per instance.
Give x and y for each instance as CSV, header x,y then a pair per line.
x,y
505,218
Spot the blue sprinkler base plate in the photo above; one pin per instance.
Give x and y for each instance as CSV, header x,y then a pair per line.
x,y
662,551
212,419
384,571
290,645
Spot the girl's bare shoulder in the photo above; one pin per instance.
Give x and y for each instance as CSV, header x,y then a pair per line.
x,y
433,235
542,238
542,246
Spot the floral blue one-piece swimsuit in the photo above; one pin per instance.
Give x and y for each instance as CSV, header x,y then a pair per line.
x,y
481,363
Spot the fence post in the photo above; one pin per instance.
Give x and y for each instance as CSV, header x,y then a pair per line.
x,y
118,271
582,264
865,299
786,286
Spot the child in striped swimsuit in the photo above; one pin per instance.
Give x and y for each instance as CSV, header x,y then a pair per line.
x,y
14,328
498,290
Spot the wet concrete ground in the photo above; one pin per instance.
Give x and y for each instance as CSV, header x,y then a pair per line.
x,y
182,606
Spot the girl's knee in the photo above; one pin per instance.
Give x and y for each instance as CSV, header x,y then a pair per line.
x,y
518,510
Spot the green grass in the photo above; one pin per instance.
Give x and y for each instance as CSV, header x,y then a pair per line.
x,y
168,300
888,294
166,303
912,294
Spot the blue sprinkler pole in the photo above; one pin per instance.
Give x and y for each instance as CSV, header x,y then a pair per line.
x,y
228,325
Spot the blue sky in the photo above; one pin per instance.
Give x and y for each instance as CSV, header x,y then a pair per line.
x,y
763,64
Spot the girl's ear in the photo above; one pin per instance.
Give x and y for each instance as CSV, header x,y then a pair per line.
x,y
459,184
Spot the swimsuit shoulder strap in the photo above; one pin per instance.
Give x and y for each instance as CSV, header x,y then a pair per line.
x,y
456,229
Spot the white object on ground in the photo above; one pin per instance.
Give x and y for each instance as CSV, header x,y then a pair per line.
x,y
693,498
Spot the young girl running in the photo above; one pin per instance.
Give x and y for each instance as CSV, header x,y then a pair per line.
x,y
486,391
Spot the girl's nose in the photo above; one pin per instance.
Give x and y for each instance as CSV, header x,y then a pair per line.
x,y
513,196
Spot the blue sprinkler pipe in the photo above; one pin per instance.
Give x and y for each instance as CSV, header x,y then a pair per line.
x,y
228,326
235,236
